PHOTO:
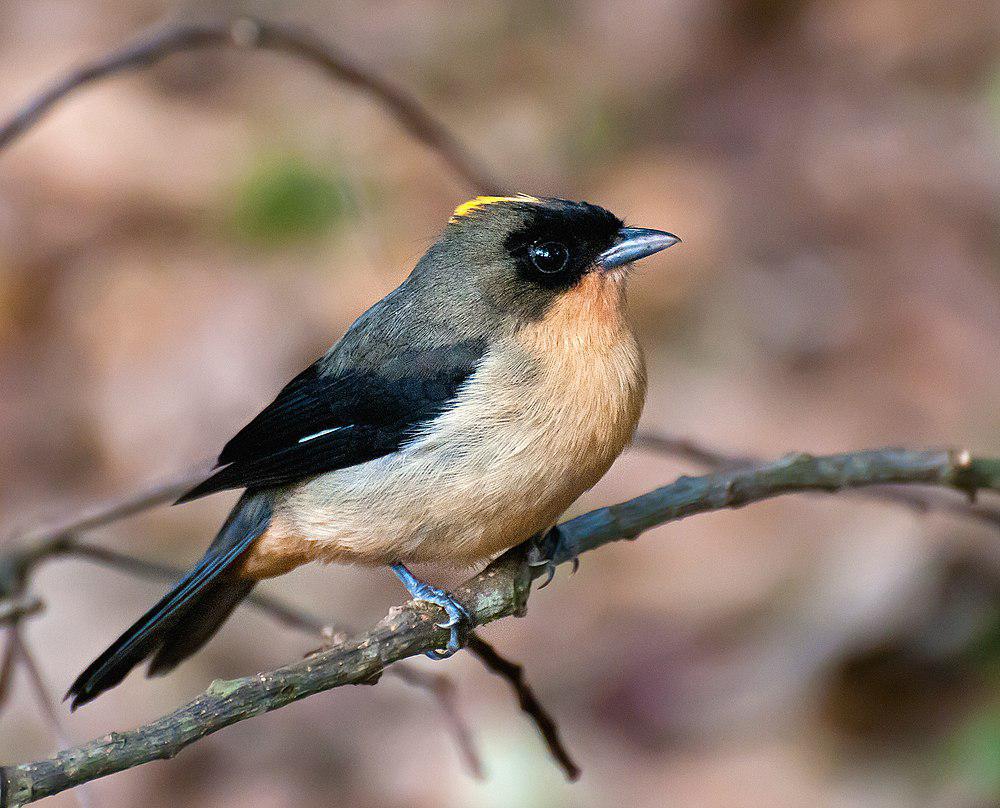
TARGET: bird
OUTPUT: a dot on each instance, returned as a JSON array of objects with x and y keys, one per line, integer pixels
[{"x": 459, "y": 416}]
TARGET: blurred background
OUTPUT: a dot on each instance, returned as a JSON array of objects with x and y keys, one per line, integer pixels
[{"x": 175, "y": 244}]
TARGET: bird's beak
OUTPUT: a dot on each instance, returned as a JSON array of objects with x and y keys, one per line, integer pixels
[{"x": 634, "y": 243}]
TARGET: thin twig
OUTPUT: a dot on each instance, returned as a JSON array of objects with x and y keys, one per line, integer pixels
[
  {"x": 115, "y": 508},
  {"x": 921, "y": 501},
  {"x": 248, "y": 33},
  {"x": 795, "y": 473},
  {"x": 444, "y": 690},
  {"x": 7, "y": 664},
  {"x": 276, "y": 609},
  {"x": 687, "y": 448},
  {"x": 501, "y": 590},
  {"x": 13, "y": 611},
  {"x": 20, "y": 650},
  {"x": 513, "y": 673},
  {"x": 940, "y": 501}
]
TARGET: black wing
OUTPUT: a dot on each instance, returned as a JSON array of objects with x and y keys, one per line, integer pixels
[{"x": 323, "y": 421}]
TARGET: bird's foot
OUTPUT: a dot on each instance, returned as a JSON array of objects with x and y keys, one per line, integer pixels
[
  {"x": 543, "y": 550},
  {"x": 459, "y": 619}
]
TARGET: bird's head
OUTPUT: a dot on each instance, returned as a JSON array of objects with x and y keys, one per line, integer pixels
[{"x": 521, "y": 254}]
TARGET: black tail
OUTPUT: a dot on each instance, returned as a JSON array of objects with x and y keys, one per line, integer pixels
[{"x": 184, "y": 619}]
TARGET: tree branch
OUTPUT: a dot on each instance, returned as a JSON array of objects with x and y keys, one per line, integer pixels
[
  {"x": 7, "y": 661},
  {"x": 921, "y": 501},
  {"x": 499, "y": 591},
  {"x": 248, "y": 33},
  {"x": 513, "y": 673},
  {"x": 794, "y": 473},
  {"x": 20, "y": 650},
  {"x": 14, "y": 610},
  {"x": 687, "y": 448},
  {"x": 274, "y": 608},
  {"x": 48, "y": 537},
  {"x": 440, "y": 687}
]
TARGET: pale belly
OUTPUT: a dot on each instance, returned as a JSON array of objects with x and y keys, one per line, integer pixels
[{"x": 455, "y": 504}]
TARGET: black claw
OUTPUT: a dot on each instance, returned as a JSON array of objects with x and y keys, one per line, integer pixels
[
  {"x": 550, "y": 573},
  {"x": 539, "y": 557}
]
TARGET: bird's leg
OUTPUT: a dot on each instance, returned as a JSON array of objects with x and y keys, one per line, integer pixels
[
  {"x": 543, "y": 549},
  {"x": 458, "y": 617}
]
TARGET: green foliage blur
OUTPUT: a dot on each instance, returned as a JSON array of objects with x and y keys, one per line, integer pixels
[{"x": 286, "y": 199}]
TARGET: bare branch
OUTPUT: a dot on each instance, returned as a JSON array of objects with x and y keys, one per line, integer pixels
[
  {"x": 688, "y": 449},
  {"x": 443, "y": 689},
  {"x": 921, "y": 501},
  {"x": 59, "y": 541},
  {"x": 513, "y": 673},
  {"x": 276, "y": 609},
  {"x": 7, "y": 666},
  {"x": 249, "y": 33},
  {"x": 48, "y": 537},
  {"x": 940, "y": 501},
  {"x": 791, "y": 474},
  {"x": 12, "y": 611},
  {"x": 499, "y": 591},
  {"x": 438, "y": 685},
  {"x": 41, "y": 691},
  {"x": 405, "y": 632},
  {"x": 20, "y": 650}
]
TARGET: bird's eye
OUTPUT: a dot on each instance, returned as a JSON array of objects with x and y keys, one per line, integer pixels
[{"x": 549, "y": 256}]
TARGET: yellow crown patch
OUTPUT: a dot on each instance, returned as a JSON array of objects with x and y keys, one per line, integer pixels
[{"x": 482, "y": 201}]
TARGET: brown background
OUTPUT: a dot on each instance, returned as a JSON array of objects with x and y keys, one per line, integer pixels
[{"x": 175, "y": 245}]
